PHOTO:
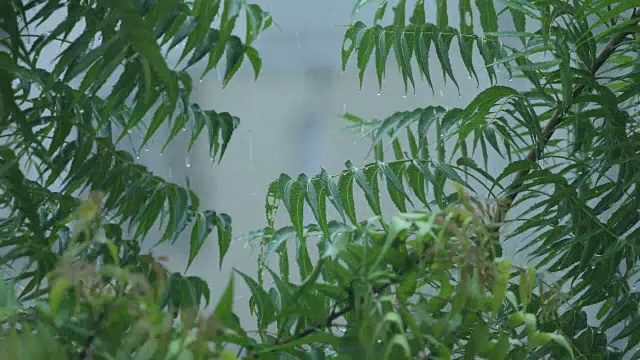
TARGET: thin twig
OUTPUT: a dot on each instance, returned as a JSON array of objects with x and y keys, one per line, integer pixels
[{"x": 558, "y": 115}]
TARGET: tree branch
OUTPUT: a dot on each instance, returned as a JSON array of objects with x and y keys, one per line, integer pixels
[{"x": 558, "y": 115}]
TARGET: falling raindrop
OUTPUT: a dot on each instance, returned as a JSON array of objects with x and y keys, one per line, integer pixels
[
  {"x": 161, "y": 154},
  {"x": 404, "y": 96},
  {"x": 218, "y": 74},
  {"x": 187, "y": 162},
  {"x": 170, "y": 173},
  {"x": 251, "y": 150},
  {"x": 469, "y": 77},
  {"x": 184, "y": 128},
  {"x": 297, "y": 40},
  {"x": 137, "y": 157},
  {"x": 200, "y": 81},
  {"x": 379, "y": 94},
  {"x": 441, "y": 93},
  {"x": 344, "y": 108},
  {"x": 211, "y": 159},
  {"x": 510, "y": 79}
]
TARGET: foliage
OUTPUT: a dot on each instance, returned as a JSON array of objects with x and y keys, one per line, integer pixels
[
  {"x": 430, "y": 282},
  {"x": 59, "y": 136}
]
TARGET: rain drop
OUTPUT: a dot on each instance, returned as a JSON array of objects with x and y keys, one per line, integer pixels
[
  {"x": 297, "y": 40},
  {"x": 344, "y": 108},
  {"x": 188, "y": 165},
  {"x": 404, "y": 96},
  {"x": 184, "y": 128},
  {"x": 251, "y": 150},
  {"x": 441, "y": 93},
  {"x": 211, "y": 159},
  {"x": 161, "y": 154},
  {"x": 469, "y": 77},
  {"x": 459, "y": 96},
  {"x": 379, "y": 94},
  {"x": 218, "y": 74},
  {"x": 146, "y": 149},
  {"x": 510, "y": 79},
  {"x": 200, "y": 81},
  {"x": 137, "y": 157},
  {"x": 129, "y": 131}
]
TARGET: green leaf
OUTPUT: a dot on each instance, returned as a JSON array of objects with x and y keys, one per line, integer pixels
[
  {"x": 516, "y": 166},
  {"x": 403, "y": 57},
  {"x": 422, "y": 47},
  {"x": 393, "y": 174},
  {"x": 345, "y": 188},
  {"x": 235, "y": 56},
  {"x": 314, "y": 194},
  {"x": 351, "y": 40},
  {"x": 450, "y": 173},
  {"x": 442, "y": 16},
  {"x": 266, "y": 308},
  {"x": 501, "y": 348},
  {"x": 367, "y": 180},
  {"x": 562, "y": 341},
  {"x": 383, "y": 42},
  {"x": 143, "y": 41},
  {"x": 223, "y": 223},
  {"x": 488, "y": 16},
  {"x": 332, "y": 191},
  {"x": 365, "y": 49},
  {"x": 255, "y": 60},
  {"x": 293, "y": 199}
]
